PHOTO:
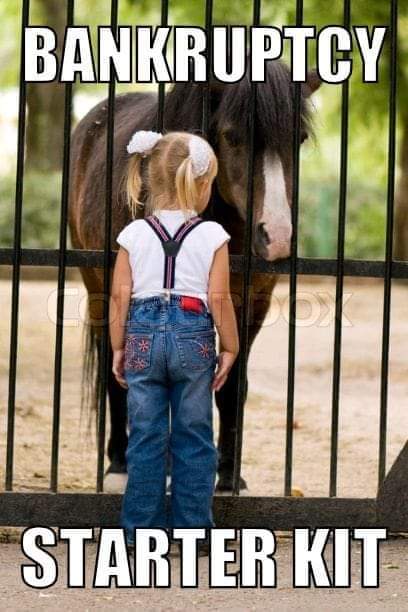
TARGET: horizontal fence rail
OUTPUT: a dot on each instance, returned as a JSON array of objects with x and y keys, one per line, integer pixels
[
  {"x": 90, "y": 510},
  {"x": 306, "y": 266}
]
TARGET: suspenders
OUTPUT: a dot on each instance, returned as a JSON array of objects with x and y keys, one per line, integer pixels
[{"x": 171, "y": 245}]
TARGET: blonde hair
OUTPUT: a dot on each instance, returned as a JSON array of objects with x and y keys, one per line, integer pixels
[{"x": 170, "y": 176}]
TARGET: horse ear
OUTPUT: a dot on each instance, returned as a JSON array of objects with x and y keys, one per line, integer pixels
[{"x": 313, "y": 83}]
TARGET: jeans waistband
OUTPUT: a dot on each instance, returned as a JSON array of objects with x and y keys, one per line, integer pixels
[{"x": 173, "y": 299}]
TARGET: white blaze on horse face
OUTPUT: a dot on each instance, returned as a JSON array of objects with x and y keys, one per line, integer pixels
[{"x": 276, "y": 214}]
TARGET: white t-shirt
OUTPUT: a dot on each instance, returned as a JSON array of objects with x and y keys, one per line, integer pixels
[{"x": 193, "y": 261}]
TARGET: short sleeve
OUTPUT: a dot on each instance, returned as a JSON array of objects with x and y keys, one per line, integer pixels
[
  {"x": 220, "y": 236},
  {"x": 126, "y": 238}
]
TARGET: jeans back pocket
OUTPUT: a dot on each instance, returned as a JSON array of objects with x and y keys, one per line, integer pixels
[
  {"x": 197, "y": 350},
  {"x": 138, "y": 351}
]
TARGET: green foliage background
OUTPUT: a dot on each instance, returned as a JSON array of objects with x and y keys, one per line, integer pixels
[{"x": 368, "y": 138}]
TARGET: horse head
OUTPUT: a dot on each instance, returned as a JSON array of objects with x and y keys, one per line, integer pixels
[{"x": 273, "y": 156}]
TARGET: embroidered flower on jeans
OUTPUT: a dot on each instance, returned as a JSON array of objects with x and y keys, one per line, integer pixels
[
  {"x": 138, "y": 363},
  {"x": 143, "y": 345},
  {"x": 204, "y": 350}
]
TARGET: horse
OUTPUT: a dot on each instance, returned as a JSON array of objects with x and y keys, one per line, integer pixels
[{"x": 228, "y": 130}]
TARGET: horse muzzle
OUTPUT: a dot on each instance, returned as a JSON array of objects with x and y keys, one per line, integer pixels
[{"x": 273, "y": 245}]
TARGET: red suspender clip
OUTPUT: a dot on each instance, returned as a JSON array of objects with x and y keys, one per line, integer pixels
[{"x": 191, "y": 303}]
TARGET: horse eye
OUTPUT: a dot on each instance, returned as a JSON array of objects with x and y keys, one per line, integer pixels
[{"x": 232, "y": 137}]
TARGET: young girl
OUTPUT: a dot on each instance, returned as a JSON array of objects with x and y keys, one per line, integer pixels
[{"x": 170, "y": 285}]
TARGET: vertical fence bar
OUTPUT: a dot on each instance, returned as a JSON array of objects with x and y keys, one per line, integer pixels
[
  {"x": 104, "y": 364},
  {"x": 207, "y": 86},
  {"x": 162, "y": 86},
  {"x": 25, "y": 13},
  {"x": 243, "y": 353},
  {"x": 293, "y": 278},
  {"x": 340, "y": 271},
  {"x": 389, "y": 242},
  {"x": 61, "y": 272}
]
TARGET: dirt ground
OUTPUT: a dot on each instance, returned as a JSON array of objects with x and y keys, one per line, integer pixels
[
  {"x": 392, "y": 594},
  {"x": 264, "y": 437}
]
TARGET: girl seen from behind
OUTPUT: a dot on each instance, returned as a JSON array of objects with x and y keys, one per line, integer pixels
[{"x": 170, "y": 288}]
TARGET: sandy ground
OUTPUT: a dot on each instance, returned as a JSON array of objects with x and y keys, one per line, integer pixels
[
  {"x": 392, "y": 594},
  {"x": 264, "y": 438}
]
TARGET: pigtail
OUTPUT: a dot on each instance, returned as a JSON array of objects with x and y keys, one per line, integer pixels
[
  {"x": 186, "y": 185},
  {"x": 140, "y": 145},
  {"x": 133, "y": 184}
]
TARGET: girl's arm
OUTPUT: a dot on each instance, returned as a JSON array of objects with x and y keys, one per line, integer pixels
[
  {"x": 119, "y": 306},
  {"x": 222, "y": 310}
]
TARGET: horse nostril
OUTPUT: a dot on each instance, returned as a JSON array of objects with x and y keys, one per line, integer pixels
[{"x": 262, "y": 234}]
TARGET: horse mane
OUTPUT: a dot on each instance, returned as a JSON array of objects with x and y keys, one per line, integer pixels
[
  {"x": 184, "y": 107},
  {"x": 231, "y": 104},
  {"x": 275, "y": 104}
]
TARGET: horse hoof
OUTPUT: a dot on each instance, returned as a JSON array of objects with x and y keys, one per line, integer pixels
[
  {"x": 224, "y": 486},
  {"x": 115, "y": 482}
]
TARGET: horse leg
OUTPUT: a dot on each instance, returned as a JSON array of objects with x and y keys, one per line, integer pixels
[
  {"x": 118, "y": 418},
  {"x": 115, "y": 476},
  {"x": 227, "y": 398}
]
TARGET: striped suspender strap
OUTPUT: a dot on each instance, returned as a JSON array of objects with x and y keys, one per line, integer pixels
[{"x": 171, "y": 244}]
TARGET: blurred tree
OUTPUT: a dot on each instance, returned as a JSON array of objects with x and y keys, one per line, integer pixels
[
  {"x": 45, "y": 101},
  {"x": 401, "y": 196}
]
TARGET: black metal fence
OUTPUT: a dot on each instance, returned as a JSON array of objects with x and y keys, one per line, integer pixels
[{"x": 73, "y": 509}]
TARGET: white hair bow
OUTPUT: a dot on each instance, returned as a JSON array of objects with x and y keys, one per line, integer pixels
[
  {"x": 143, "y": 142},
  {"x": 200, "y": 154}
]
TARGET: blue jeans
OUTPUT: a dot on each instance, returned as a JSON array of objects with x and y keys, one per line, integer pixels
[{"x": 170, "y": 358}]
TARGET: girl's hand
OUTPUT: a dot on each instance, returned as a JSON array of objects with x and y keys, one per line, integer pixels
[
  {"x": 225, "y": 363},
  {"x": 118, "y": 367}
]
